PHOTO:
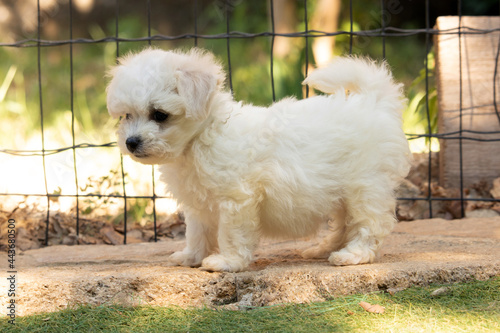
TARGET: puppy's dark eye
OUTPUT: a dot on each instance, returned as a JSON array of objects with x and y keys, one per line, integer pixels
[
  {"x": 128, "y": 116},
  {"x": 159, "y": 116}
]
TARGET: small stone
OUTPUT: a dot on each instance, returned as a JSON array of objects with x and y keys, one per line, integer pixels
[
  {"x": 85, "y": 239},
  {"x": 24, "y": 241},
  {"x": 230, "y": 307},
  {"x": 134, "y": 233},
  {"x": 246, "y": 301},
  {"x": 481, "y": 213},
  {"x": 148, "y": 235},
  {"x": 70, "y": 240},
  {"x": 112, "y": 236},
  {"x": 393, "y": 290},
  {"x": 133, "y": 240},
  {"x": 25, "y": 244}
]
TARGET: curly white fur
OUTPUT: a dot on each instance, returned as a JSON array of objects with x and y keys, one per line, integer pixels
[{"x": 241, "y": 171}]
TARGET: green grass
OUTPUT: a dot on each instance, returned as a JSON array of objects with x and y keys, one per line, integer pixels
[{"x": 465, "y": 307}]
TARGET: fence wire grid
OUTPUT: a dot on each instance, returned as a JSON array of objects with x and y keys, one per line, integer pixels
[{"x": 227, "y": 6}]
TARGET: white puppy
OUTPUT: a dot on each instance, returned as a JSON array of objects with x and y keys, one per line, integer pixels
[{"x": 240, "y": 171}]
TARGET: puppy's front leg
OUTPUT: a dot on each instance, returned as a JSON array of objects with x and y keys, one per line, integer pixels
[
  {"x": 201, "y": 240},
  {"x": 238, "y": 237}
]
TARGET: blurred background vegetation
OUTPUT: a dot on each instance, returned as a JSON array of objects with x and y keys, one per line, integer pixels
[{"x": 250, "y": 57}]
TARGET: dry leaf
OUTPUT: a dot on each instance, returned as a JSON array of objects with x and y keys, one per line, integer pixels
[
  {"x": 392, "y": 291},
  {"x": 375, "y": 308},
  {"x": 350, "y": 313},
  {"x": 495, "y": 191},
  {"x": 440, "y": 291}
]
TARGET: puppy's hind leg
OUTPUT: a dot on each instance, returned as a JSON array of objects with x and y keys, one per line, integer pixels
[
  {"x": 333, "y": 241},
  {"x": 201, "y": 241},
  {"x": 370, "y": 217}
]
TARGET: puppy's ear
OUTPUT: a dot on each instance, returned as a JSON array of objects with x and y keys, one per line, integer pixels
[{"x": 196, "y": 88}]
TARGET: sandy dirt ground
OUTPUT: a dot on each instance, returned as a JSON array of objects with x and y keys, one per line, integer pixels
[{"x": 417, "y": 253}]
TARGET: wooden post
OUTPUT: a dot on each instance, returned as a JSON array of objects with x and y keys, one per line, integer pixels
[{"x": 469, "y": 104}]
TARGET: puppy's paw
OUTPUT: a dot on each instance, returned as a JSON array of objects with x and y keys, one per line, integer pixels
[
  {"x": 316, "y": 252},
  {"x": 345, "y": 257},
  {"x": 183, "y": 258},
  {"x": 220, "y": 263}
]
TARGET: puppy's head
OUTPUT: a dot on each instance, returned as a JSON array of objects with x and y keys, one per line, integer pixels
[{"x": 163, "y": 100}]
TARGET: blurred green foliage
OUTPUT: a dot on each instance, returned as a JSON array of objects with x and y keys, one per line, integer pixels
[{"x": 250, "y": 64}]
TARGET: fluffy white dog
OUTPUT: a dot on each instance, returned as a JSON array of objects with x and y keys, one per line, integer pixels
[{"x": 240, "y": 171}]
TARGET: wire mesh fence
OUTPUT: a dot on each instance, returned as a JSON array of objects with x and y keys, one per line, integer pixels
[{"x": 353, "y": 33}]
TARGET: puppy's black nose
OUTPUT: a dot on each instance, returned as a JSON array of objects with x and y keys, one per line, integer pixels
[{"x": 133, "y": 143}]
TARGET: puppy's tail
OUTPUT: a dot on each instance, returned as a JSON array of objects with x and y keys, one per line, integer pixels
[{"x": 358, "y": 75}]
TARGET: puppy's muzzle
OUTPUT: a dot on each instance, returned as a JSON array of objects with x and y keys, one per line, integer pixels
[{"x": 133, "y": 143}]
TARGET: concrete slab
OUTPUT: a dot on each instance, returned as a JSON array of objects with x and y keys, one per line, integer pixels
[{"x": 416, "y": 253}]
